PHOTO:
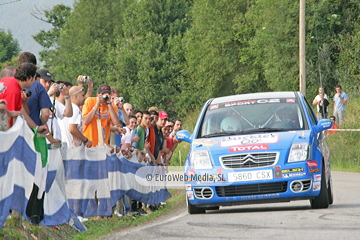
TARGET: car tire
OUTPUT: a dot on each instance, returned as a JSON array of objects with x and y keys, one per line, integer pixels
[
  {"x": 330, "y": 191},
  {"x": 321, "y": 201},
  {"x": 192, "y": 209}
]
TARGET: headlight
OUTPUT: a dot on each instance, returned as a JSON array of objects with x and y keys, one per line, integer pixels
[
  {"x": 201, "y": 160},
  {"x": 299, "y": 152}
]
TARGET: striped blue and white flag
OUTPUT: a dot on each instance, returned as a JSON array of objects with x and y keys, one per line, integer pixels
[
  {"x": 20, "y": 167},
  {"x": 95, "y": 180}
]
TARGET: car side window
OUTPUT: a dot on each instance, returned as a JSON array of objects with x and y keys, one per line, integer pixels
[{"x": 310, "y": 112}]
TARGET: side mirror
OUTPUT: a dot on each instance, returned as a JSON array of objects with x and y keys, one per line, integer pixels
[
  {"x": 184, "y": 135},
  {"x": 322, "y": 125}
]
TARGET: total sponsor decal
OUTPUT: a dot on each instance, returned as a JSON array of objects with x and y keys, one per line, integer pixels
[
  {"x": 312, "y": 164},
  {"x": 249, "y": 148},
  {"x": 317, "y": 177},
  {"x": 314, "y": 170},
  {"x": 254, "y": 139},
  {"x": 297, "y": 174},
  {"x": 188, "y": 187},
  {"x": 316, "y": 186},
  {"x": 205, "y": 142},
  {"x": 292, "y": 170}
]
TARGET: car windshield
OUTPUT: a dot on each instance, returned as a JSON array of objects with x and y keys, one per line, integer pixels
[{"x": 252, "y": 116}]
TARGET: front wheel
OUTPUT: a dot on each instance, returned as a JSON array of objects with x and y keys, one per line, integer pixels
[
  {"x": 330, "y": 191},
  {"x": 192, "y": 209},
  {"x": 321, "y": 201}
]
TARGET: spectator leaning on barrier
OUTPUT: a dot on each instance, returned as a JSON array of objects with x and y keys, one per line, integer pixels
[
  {"x": 138, "y": 115},
  {"x": 334, "y": 125},
  {"x": 11, "y": 92},
  {"x": 73, "y": 126},
  {"x": 99, "y": 108},
  {"x": 38, "y": 104},
  {"x": 123, "y": 117},
  {"x": 177, "y": 125},
  {"x": 340, "y": 101},
  {"x": 159, "y": 139},
  {"x": 150, "y": 134},
  {"x": 58, "y": 110},
  {"x": 141, "y": 129}
]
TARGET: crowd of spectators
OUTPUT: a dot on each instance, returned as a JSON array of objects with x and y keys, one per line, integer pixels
[{"x": 69, "y": 114}]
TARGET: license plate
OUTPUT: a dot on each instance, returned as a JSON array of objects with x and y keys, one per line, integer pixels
[{"x": 250, "y": 176}]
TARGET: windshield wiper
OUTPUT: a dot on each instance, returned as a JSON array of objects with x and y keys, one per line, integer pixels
[
  {"x": 266, "y": 130},
  {"x": 218, "y": 134}
]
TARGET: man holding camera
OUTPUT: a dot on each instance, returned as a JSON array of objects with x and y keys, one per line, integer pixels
[{"x": 98, "y": 115}]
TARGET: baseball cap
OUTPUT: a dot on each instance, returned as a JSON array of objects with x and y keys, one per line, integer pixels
[
  {"x": 45, "y": 74},
  {"x": 104, "y": 88},
  {"x": 163, "y": 115}
]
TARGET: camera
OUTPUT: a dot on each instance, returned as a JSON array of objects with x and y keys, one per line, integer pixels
[
  {"x": 106, "y": 97},
  {"x": 60, "y": 87},
  {"x": 27, "y": 92},
  {"x": 121, "y": 99},
  {"x": 84, "y": 79}
]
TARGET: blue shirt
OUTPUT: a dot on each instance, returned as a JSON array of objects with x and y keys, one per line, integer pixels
[
  {"x": 340, "y": 106},
  {"x": 39, "y": 100},
  {"x": 118, "y": 137}
]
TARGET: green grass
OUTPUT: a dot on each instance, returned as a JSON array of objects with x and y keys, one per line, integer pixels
[
  {"x": 95, "y": 228},
  {"x": 345, "y": 146}
]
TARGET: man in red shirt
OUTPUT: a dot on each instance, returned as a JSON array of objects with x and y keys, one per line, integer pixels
[
  {"x": 11, "y": 91},
  {"x": 334, "y": 126}
]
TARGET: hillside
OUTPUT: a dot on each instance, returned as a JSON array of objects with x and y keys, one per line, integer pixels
[{"x": 16, "y": 16}]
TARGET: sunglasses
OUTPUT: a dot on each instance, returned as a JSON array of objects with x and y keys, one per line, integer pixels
[{"x": 81, "y": 89}]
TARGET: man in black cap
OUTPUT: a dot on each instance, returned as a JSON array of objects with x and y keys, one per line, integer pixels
[
  {"x": 45, "y": 78},
  {"x": 98, "y": 114}
]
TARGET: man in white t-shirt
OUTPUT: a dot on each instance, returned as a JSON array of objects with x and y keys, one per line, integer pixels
[
  {"x": 58, "y": 111},
  {"x": 73, "y": 126}
]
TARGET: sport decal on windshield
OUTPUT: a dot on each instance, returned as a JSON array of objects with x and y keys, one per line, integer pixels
[
  {"x": 252, "y": 102},
  {"x": 249, "y": 139}
]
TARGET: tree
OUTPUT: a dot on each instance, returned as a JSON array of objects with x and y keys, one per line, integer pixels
[
  {"x": 146, "y": 69},
  {"x": 9, "y": 47},
  {"x": 57, "y": 17},
  {"x": 87, "y": 37},
  {"x": 213, "y": 50}
]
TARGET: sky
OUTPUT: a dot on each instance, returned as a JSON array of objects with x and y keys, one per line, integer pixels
[{"x": 15, "y": 15}]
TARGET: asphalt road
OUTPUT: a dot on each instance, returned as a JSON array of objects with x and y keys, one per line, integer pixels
[{"x": 294, "y": 220}]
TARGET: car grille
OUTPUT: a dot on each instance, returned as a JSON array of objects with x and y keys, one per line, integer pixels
[
  {"x": 248, "y": 160},
  {"x": 251, "y": 189}
]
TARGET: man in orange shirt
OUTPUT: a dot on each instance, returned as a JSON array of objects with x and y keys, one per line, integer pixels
[{"x": 99, "y": 108}]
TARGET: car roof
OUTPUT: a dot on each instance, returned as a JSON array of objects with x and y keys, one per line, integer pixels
[{"x": 249, "y": 96}]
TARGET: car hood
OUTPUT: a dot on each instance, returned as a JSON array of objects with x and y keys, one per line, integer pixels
[{"x": 250, "y": 142}]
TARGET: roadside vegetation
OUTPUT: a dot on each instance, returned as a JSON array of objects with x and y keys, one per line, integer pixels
[{"x": 96, "y": 227}]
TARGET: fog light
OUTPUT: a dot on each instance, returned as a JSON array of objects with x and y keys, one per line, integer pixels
[{"x": 297, "y": 186}]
